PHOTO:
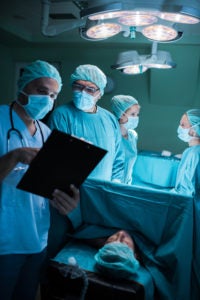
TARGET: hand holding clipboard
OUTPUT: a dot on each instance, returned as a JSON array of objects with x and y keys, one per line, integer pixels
[{"x": 63, "y": 160}]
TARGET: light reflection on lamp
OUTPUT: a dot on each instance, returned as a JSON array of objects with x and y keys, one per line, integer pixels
[
  {"x": 108, "y": 15},
  {"x": 137, "y": 19},
  {"x": 133, "y": 70},
  {"x": 179, "y": 18},
  {"x": 159, "y": 33},
  {"x": 103, "y": 30}
]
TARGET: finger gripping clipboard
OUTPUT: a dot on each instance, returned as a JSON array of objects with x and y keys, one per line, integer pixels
[{"x": 63, "y": 160}]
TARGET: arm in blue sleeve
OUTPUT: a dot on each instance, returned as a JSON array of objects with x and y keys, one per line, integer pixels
[
  {"x": 75, "y": 217},
  {"x": 118, "y": 165},
  {"x": 189, "y": 172}
]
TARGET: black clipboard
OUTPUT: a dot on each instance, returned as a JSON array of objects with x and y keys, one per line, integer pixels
[{"x": 63, "y": 159}]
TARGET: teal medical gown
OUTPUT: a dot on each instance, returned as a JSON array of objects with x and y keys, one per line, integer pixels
[
  {"x": 130, "y": 148},
  {"x": 101, "y": 129},
  {"x": 188, "y": 174}
]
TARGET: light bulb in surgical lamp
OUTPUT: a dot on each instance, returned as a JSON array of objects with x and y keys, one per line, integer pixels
[
  {"x": 134, "y": 69},
  {"x": 159, "y": 33},
  {"x": 104, "y": 30},
  {"x": 107, "y": 15},
  {"x": 179, "y": 18},
  {"x": 137, "y": 19}
]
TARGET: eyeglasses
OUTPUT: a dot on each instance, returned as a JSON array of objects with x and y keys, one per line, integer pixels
[{"x": 88, "y": 89}]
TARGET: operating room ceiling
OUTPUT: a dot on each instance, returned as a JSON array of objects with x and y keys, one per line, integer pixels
[{"x": 20, "y": 22}]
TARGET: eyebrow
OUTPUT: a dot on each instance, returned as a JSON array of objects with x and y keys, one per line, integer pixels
[
  {"x": 46, "y": 89},
  {"x": 91, "y": 84}
]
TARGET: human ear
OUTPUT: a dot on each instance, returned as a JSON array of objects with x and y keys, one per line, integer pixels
[{"x": 192, "y": 132}]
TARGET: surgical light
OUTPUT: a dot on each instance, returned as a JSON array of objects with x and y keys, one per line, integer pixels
[
  {"x": 155, "y": 20},
  {"x": 132, "y": 63}
]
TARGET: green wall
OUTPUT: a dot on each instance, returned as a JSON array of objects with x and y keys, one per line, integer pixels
[{"x": 164, "y": 95}]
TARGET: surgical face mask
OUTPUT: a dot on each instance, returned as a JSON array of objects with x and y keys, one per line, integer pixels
[
  {"x": 38, "y": 106},
  {"x": 183, "y": 134},
  {"x": 132, "y": 123},
  {"x": 83, "y": 100}
]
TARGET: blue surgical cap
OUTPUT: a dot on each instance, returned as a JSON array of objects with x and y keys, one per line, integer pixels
[
  {"x": 194, "y": 119},
  {"x": 38, "y": 69},
  {"x": 90, "y": 73},
  {"x": 116, "y": 260},
  {"x": 120, "y": 103}
]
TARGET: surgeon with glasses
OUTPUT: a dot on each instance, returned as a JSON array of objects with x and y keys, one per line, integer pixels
[
  {"x": 188, "y": 174},
  {"x": 84, "y": 118},
  {"x": 25, "y": 217},
  {"x": 126, "y": 109}
]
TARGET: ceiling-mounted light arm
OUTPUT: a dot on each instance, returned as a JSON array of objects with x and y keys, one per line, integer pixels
[
  {"x": 153, "y": 56},
  {"x": 154, "y": 50},
  {"x": 53, "y": 30}
]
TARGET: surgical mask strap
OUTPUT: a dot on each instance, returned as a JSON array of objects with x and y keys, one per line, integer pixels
[{"x": 195, "y": 125}]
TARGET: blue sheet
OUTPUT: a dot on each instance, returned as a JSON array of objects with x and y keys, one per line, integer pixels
[
  {"x": 153, "y": 169},
  {"x": 196, "y": 251},
  {"x": 160, "y": 222}
]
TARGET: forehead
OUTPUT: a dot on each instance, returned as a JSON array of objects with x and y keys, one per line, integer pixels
[
  {"x": 133, "y": 109},
  {"x": 87, "y": 83},
  {"x": 122, "y": 232},
  {"x": 44, "y": 82}
]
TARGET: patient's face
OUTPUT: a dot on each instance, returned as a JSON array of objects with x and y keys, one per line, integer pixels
[{"x": 122, "y": 237}]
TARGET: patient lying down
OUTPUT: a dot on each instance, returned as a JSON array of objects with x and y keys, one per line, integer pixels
[{"x": 117, "y": 256}]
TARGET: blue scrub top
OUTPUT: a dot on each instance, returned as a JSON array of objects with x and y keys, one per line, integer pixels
[
  {"x": 24, "y": 217},
  {"x": 101, "y": 129},
  {"x": 188, "y": 174}
]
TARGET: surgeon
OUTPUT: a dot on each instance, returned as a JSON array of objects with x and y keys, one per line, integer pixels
[
  {"x": 188, "y": 175},
  {"x": 24, "y": 217},
  {"x": 83, "y": 118},
  {"x": 126, "y": 109}
]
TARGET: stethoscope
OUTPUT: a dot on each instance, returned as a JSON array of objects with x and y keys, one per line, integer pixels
[{"x": 13, "y": 129}]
